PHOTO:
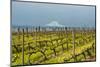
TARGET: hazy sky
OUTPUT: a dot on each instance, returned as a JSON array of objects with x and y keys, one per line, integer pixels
[{"x": 35, "y": 14}]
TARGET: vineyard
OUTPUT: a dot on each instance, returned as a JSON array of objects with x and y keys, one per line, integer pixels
[{"x": 49, "y": 45}]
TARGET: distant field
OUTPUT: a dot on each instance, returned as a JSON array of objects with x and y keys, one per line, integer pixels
[{"x": 37, "y": 45}]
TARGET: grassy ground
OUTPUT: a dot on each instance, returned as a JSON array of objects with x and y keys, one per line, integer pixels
[{"x": 46, "y": 43}]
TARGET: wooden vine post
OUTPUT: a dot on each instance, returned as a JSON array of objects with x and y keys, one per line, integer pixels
[
  {"x": 73, "y": 38},
  {"x": 39, "y": 32},
  {"x": 66, "y": 32},
  {"x": 29, "y": 53},
  {"x": 23, "y": 48},
  {"x": 18, "y": 33},
  {"x": 27, "y": 31}
]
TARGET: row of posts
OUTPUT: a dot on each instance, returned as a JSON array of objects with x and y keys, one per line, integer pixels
[{"x": 44, "y": 29}]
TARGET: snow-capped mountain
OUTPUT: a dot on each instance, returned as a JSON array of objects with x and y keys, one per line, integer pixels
[{"x": 54, "y": 24}]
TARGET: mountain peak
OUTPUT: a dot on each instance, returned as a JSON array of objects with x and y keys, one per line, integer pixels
[{"x": 54, "y": 24}]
